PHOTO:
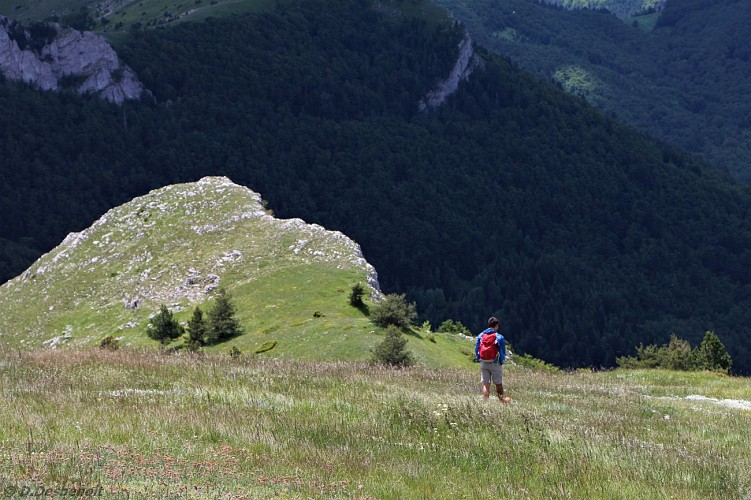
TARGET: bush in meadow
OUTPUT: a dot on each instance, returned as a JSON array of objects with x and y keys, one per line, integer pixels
[
  {"x": 394, "y": 309},
  {"x": 454, "y": 327},
  {"x": 355, "y": 296},
  {"x": 392, "y": 350}
]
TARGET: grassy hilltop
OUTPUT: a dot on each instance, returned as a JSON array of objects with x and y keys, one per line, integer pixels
[
  {"x": 290, "y": 281},
  {"x": 146, "y": 425}
]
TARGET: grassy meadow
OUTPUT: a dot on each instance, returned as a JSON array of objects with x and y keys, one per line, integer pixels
[{"x": 143, "y": 424}]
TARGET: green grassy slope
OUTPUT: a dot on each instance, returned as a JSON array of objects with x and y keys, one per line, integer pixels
[
  {"x": 250, "y": 428},
  {"x": 39, "y": 10},
  {"x": 290, "y": 280}
]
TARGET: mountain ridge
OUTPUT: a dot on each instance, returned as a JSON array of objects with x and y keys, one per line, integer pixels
[{"x": 174, "y": 246}]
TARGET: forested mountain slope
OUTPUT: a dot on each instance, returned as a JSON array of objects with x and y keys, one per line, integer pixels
[
  {"x": 682, "y": 74},
  {"x": 513, "y": 198}
]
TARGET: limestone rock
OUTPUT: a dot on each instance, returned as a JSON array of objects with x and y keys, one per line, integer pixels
[{"x": 70, "y": 53}]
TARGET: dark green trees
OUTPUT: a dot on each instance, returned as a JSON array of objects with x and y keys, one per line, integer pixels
[
  {"x": 392, "y": 350},
  {"x": 394, "y": 310},
  {"x": 163, "y": 327},
  {"x": 355, "y": 296},
  {"x": 678, "y": 355},
  {"x": 222, "y": 324},
  {"x": 712, "y": 355},
  {"x": 197, "y": 330},
  {"x": 218, "y": 325}
]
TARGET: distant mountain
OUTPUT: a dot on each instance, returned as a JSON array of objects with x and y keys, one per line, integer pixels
[
  {"x": 175, "y": 246},
  {"x": 510, "y": 198},
  {"x": 681, "y": 73}
]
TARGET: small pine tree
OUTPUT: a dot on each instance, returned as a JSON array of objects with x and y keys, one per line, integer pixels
[
  {"x": 712, "y": 355},
  {"x": 391, "y": 351},
  {"x": 355, "y": 296},
  {"x": 163, "y": 327},
  {"x": 222, "y": 323},
  {"x": 678, "y": 355},
  {"x": 197, "y": 330},
  {"x": 394, "y": 310}
]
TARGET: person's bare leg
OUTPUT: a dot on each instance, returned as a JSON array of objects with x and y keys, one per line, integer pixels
[
  {"x": 499, "y": 390},
  {"x": 486, "y": 390}
]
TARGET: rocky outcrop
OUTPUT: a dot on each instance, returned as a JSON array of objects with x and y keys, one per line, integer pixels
[
  {"x": 463, "y": 67},
  {"x": 85, "y": 56},
  {"x": 174, "y": 246}
]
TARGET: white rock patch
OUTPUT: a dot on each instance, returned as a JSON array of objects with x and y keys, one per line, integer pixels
[{"x": 738, "y": 404}]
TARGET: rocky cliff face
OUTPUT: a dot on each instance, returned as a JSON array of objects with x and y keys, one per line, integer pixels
[
  {"x": 85, "y": 56},
  {"x": 463, "y": 67}
]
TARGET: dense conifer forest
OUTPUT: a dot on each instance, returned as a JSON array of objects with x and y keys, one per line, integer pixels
[
  {"x": 514, "y": 198},
  {"x": 680, "y": 74}
]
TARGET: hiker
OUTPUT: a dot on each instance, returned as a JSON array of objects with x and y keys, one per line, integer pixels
[{"x": 490, "y": 351}]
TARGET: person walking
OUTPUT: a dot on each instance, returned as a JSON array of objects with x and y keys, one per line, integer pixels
[{"x": 490, "y": 351}]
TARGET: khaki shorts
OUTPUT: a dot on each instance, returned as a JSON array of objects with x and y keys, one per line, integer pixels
[{"x": 491, "y": 372}]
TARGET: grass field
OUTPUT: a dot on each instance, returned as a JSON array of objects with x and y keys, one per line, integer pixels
[{"x": 142, "y": 424}]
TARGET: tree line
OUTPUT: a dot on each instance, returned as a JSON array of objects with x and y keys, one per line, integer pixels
[{"x": 678, "y": 354}]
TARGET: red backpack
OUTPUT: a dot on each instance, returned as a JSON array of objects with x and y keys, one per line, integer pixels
[{"x": 488, "y": 347}]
